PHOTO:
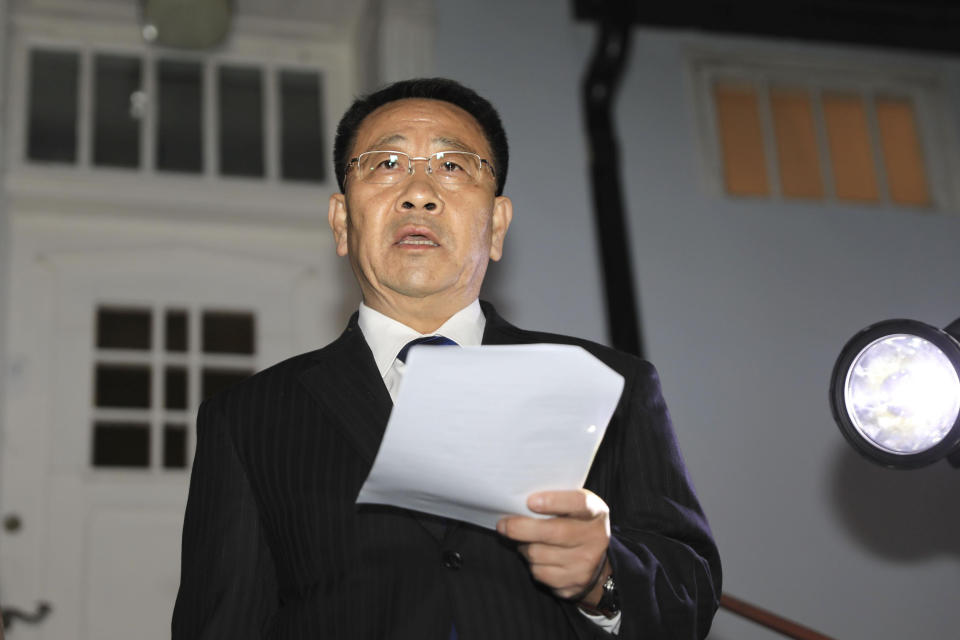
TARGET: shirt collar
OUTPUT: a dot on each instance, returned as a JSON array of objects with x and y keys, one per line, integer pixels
[{"x": 386, "y": 336}]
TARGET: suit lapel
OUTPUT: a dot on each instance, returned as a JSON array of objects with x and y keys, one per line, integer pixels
[
  {"x": 346, "y": 382},
  {"x": 497, "y": 330}
]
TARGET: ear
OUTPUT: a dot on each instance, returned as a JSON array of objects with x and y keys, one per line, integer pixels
[
  {"x": 500, "y": 222},
  {"x": 337, "y": 217}
]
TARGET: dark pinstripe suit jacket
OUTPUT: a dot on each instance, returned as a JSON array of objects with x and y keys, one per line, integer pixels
[{"x": 274, "y": 545}]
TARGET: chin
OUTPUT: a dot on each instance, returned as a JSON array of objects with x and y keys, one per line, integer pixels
[
  {"x": 420, "y": 287},
  {"x": 417, "y": 292}
]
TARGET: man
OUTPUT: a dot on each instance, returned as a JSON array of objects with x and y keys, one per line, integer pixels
[{"x": 274, "y": 544}]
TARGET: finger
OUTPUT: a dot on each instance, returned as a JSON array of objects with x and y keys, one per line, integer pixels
[
  {"x": 563, "y": 532},
  {"x": 552, "y": 576},
  {"x": 578, "y": 503},
  {"x": 520, "y": 528},
  {"x": 577, "y": 560},
  {"x": 560, "y": 580},
  {"x": 524, "y": 550}
]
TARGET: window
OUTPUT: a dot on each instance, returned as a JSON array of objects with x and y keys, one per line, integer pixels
[
  {"x": 116, "y": 117},
  {"x": 125, "y": 88},
  {"x": 153, "y": 366},
  {"x": 52, "y": 132},
  {"x": 179, "y": 135},
  {"x": 303, "y": 155},
  {"x": 819, "y": 137},
  {"x": 240, "y": 92}
]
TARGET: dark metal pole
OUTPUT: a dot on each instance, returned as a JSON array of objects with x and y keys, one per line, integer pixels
[{"x": 599, "y": 86}]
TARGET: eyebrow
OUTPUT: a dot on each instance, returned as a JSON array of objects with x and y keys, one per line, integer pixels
[
  {"x": 451, "y": 144},
  {"x": 387, "y": 140}
]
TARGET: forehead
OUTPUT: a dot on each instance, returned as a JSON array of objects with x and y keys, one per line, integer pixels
[{"x": 412, "y": 124}]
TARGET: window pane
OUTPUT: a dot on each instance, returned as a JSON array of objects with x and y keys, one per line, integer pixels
[
  {"x": 116, "y": 127},
  {"x": 123, "y": 386},
  {"x": 302, "y": 155},
  {"x": 216, "y": 380},
  {"x": 176, "y": 337},
  {"x": 850, "y": 150},
  {"x": 121, "y": 445},
  {"x": 52, "y": 132},
  {"x": 176, "y": 331},
  {"x": 175, "y": 446},
  {"x": 226, "y": 332},
  {"x": 798, "y": 155},
  {"x": 123, "y": 328},
  {"x": 241, "y": 121},
  {"x": 175, "y": 388},
  {"x": 902, "y": 153},
  {"x": 180, "y": 117},
  {"x": 741, "y": 140}
]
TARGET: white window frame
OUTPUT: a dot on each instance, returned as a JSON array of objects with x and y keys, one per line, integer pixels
[
  {"x": 156, "y": 359},
  {"x": 209, "y": 66},
  {"x": 269, "y": 48}
]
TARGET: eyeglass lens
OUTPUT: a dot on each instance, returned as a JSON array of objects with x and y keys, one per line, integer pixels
[{"x": 385, "y": 167}]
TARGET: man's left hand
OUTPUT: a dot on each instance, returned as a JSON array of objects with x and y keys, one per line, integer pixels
[{"x": 565, "y": 552}]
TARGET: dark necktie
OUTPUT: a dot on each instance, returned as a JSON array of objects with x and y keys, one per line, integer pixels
[{"x": 438, "y": 341}]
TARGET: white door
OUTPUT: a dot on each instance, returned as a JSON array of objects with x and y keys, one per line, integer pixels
[{"x": 126, "y": 343}]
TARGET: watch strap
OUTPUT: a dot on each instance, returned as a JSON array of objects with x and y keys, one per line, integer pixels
[{"x": 609, "y": 604}]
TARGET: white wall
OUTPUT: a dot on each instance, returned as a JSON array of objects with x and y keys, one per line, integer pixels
[
  {"x": 527, "y": 61},
  {"x": 745, "y": 307}
]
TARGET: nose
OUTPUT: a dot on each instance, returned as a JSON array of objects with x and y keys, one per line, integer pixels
[{"x": 419, "y": 192}]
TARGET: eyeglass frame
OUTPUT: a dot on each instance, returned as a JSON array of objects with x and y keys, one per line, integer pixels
[{"x": 411, "y": 159}]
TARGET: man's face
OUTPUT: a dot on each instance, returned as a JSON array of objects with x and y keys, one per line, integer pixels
[{"x": 420, "y": 239}]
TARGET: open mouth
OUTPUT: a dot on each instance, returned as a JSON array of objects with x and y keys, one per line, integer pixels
[
  {"x": 414, "y": 236},
  {"x": 418, "y": 240}
]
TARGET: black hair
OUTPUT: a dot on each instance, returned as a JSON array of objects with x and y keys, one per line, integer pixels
[{"x": 427, "y": 88}]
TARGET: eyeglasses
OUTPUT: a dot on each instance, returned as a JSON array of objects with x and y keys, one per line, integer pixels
[{"x": 390, "y": 167}]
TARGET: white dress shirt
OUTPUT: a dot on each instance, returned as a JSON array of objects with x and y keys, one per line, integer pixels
[{"x": 386, "y": 337}]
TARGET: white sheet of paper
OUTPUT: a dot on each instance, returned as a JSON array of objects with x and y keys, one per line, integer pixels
[{"x": 475, "y": 430}]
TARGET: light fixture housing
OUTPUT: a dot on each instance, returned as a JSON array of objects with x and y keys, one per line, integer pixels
[
  {"x": 186, "y": 24},
  {"x": 895, "y": 393}
]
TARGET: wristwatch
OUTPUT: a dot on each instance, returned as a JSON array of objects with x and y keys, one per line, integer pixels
[{"x": 609, "y": 604}]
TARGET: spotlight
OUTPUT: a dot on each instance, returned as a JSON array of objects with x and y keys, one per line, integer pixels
[{"x": 895, "y": 393}]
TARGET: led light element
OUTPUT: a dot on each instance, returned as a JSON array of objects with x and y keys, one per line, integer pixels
[
  {"x": 895, "y": 393},
  {"x": 902, "y": 393}
]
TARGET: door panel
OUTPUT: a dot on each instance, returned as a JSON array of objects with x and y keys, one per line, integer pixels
[{"x": 101, "y": 543}]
